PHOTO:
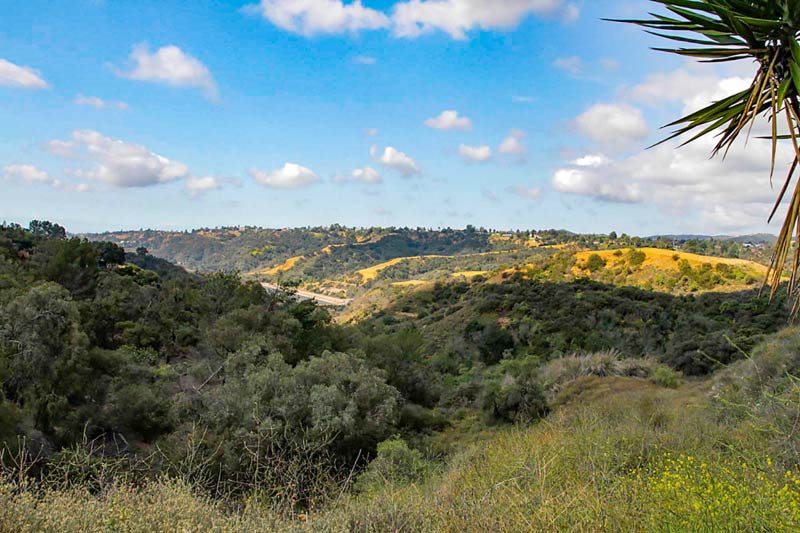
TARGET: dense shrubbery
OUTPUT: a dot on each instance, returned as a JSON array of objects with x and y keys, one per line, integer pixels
[
  {"x": 133, "y": 354},
  {"x": 694, "y": 334},
  {"x": 123, "y": 367}
]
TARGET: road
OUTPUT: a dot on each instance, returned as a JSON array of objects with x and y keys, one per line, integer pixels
[{"x": 322, "y": 299}]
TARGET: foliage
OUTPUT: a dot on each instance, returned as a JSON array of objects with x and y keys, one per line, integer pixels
[
  {"x": 764, "y": 32},
  {"x": 395, "y": 463}
]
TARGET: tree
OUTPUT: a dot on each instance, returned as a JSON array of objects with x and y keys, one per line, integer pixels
[
  {"x": 46, "y": 229},
  {"x": 731, "y": 30}
]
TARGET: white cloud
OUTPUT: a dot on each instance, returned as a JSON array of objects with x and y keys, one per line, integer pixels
[
  {"x": 731, "y": 194},
  {"x": 367, "y": 175},
  {"x": 371, "y": 132},
  {"x": 456, "y": 17},
  {"x": 12, "y": 75},
  {"x": 475, "y": 153},
  {"x": 449, "y": 120},
  {"x": 313, "y": 17},
  {"x": 32, "y": 174},
  {"x": 612, "y": 123},
  {"x": 290, "y": 176},
  {"x": 99, "y": 103},
  {"x": 27, "y": 173},
  {"x": 512, "y": 144},
  {"x": 570, "y": 64},
  {"x": 592, "y": 160},
  {"x": 364, "y": 60},
  {"x": 60, "y": 148},
  {"x": 533, "y": 193},
  {"x": 693, "y": 90},
  {"x": 198, "y": 186},
  {"x": 363, "y": 175},
  {"x": 117, "y": 163},
  {"x": 584, "y": 182},
  {"x": 394, "y": 158},
  {"x": 172, "y": 66}
]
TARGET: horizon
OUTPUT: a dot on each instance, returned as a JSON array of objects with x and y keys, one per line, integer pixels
[
  {"x": 537, "y": 114},
  {"x": 413, "y": 228}
]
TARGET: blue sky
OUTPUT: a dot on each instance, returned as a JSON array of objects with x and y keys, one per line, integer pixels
[{"x": 501, "y": 113}]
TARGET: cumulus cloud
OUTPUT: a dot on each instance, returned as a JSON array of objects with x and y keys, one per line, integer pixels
[
  {"x": 290, "y": 176},
  {"x": 570, "y": 64},
  {"x": 395, "y": 159},
  {"x": 584, "y": 182},
  {"x": 532, "y": 193},
  {"x": 313, "y": 17},
  {"x": 99, "y": 103},
  {"x": 691, "y": 89},
  {"x": 197, "y": 186},
  {"x": 592, "y": 160},
  {"x": 12, "y": 75},
  {"x": 475, "y": 153},
  {"x": 733, "y": 194},
  {"x": 116, "y": 162},
  {"x": 32, "y": 174},
  {"x": 457, "y": 17},
  {"x": 27, "y": 173},
  {"x": 172, "y": 66},
  {"x": 513, "y": 145},
  {"x": 363, "y": 175},
  {"x": 612, "y": 123},
  {"x": 449, "y": 120}
]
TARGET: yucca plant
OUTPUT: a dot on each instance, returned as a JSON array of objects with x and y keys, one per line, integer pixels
[{"x": 765, "y": 32}]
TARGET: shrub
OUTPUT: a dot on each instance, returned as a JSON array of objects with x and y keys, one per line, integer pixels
[
  {"x": 595, "y": 263},
  {"x": 666, "y": 377},
  {"x": 395, "y": 463}
]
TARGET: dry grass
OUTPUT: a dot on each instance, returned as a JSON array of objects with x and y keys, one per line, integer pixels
[
  {"x": 410, "y": 283},
  {"x": 283, "y": 267},
  {"x": 668, "y": 259},
  {"x": 469, "y": 273}
]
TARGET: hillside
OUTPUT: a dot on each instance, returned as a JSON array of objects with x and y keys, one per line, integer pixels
[
  {"x": 668, "y": 270},
  {"x": 128, "y": 378},
  {"x": 345, "y": 262}
]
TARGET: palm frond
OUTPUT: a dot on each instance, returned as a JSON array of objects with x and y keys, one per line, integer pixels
[{"x": 766, "y": 32}]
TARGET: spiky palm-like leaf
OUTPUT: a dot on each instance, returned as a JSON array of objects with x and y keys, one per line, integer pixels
[{"x": 764, "y": 31}]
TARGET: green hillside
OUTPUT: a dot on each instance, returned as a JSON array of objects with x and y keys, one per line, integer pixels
[{"x": 137, "y": 395}]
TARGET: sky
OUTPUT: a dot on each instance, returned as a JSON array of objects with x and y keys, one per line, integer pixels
[{"x": 504, "y": 114}]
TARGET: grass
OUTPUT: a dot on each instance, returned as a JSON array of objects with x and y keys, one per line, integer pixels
[
  {"x": 371, "y": 273},
  {"x": 668, "y": 259},
  {"x": 622, "y": 455},
  {"x": 469, "y": 273},
  {"x": 283, "y": 267}
]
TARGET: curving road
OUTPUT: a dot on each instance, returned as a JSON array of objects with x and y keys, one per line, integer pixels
[{"x": 321, "y": 299}]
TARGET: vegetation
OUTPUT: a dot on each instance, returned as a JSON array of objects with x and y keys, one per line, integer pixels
[
  {"x": 764, "y": 32},
  {"x": 138, "y": 396}
]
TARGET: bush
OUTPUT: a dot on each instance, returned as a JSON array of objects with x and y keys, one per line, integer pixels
[
  {"x": 395, "y": 463},
  {"x": 666, "y": 377},
  {"x": 595, "y": 263}
]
